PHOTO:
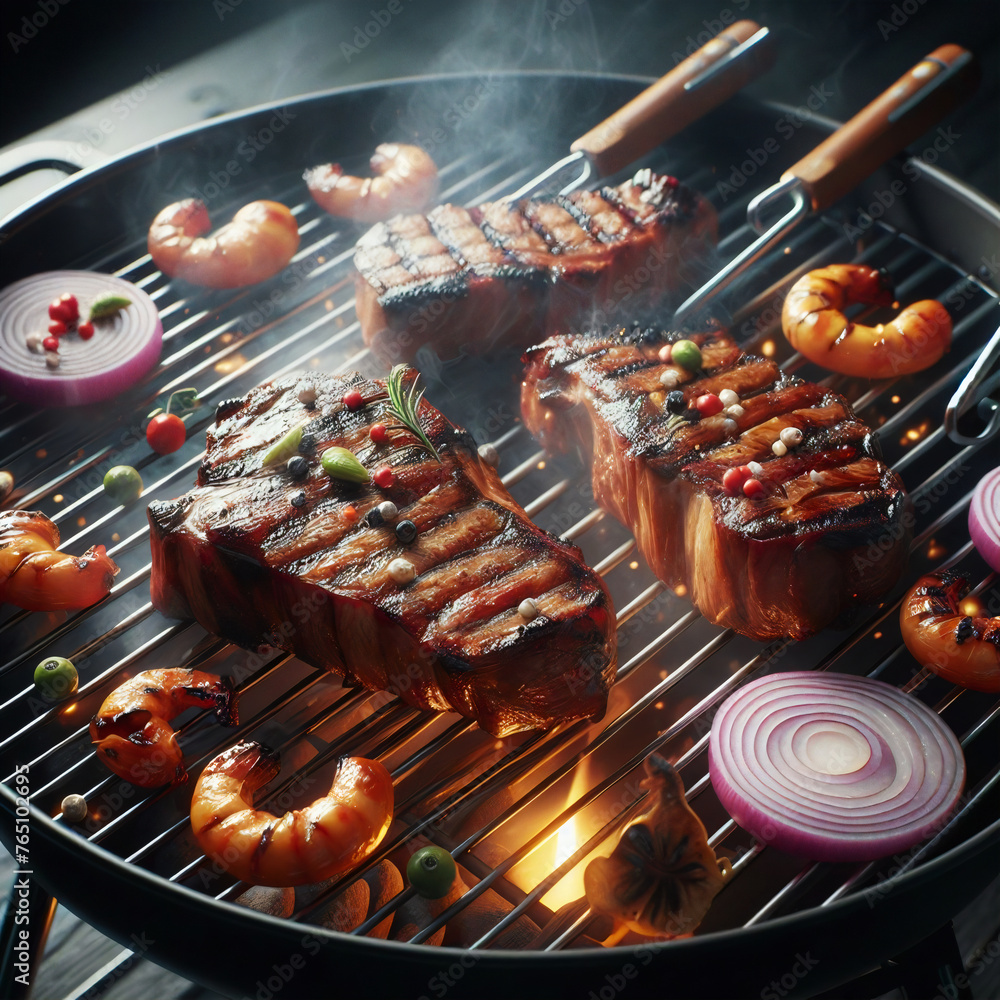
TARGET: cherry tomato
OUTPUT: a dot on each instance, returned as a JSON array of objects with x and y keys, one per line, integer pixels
[
  {"x": 86, "y": 330},
  {"x": 56, "y": 678},
  {"x": 431, "y": 871},
  {"x": 166, "y": 433}
]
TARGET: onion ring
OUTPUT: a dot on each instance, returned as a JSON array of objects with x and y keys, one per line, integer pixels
[{"x": 834, "y": 767}]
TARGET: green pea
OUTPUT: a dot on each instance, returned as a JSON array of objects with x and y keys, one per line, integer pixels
[
  {"x": 431, "y": 871},
  {"x": 56, "y": 678},
  {"x": 686, "y": 354},
  {"x": 123, "y": 484}
]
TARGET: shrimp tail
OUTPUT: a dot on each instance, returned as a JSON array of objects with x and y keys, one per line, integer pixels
[
  {"x": 131, "y": 732},
  {"x": 963, "y": 649},
  {"x": 35, "y": 576},
  {"x": 813, "y": 320}
]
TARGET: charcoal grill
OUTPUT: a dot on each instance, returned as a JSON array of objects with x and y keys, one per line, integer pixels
[{"x": 522, "y": 815}]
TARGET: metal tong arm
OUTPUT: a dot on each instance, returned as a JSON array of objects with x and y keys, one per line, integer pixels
[
  {"x": 915, "y": 102},
  {"x": 966, "y": 396},
  {"x": 690, "y": 90}
]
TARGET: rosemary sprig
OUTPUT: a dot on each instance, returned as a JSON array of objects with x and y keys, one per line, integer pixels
[{"x": 404, "y": 406}]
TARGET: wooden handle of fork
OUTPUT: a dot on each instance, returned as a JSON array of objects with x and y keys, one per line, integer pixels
[
  {"x": 912, "y": 105},
  {"x": 669, "y": 105}
]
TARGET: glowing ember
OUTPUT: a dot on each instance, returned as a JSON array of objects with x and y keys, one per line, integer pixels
[
  {"x": 225, "y": 366},
  {"x": 58, "y": 498},
  {"x": 768, "y": 348}
]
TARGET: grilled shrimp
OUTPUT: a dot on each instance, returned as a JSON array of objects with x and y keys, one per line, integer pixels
[
  {"x": 37, "y": 577},
  {"x": 960, "y": 648},
  {"x": 132, "y": 734},
  {"x": 816, "y": 326},
  {"x": 334, "y": 833},
  {"x": 256, "y": 245},
  {"x": 406, "y": 180}
]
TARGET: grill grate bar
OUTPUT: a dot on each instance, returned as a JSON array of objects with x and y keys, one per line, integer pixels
[{"x": 194, "y": 328}]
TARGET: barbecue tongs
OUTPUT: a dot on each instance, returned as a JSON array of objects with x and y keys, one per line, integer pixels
[
  {"x": 690, "y": 90},
  {"x": 915, "y": 102}
]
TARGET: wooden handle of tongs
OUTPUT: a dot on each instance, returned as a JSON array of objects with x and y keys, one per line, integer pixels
[
  {"x": 914, "y": 103},
  {"x": 678, "y": 99}
]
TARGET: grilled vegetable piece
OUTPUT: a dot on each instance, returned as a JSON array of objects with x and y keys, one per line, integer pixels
[
  {"x": 321, "y": 566},
  {"x": 662, "y": 876},
  {"x": 508, "y": 274},
  {"x": 774, "y": 512}
]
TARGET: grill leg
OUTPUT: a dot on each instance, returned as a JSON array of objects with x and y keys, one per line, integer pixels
[
  {"x": 29, "y": 909},
  {"x": 933, "y": 968}
]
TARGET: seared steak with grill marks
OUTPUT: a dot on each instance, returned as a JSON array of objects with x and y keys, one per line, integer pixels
[
  {"x": 509, "y": 274},
  {"x": 828, "y": 530},
  {"x": 297, "y": 559}
]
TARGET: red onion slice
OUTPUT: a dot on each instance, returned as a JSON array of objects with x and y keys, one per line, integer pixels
[
  {"x": 984, "y": 518},
  {"x": 834, "y": 767},
  {"x": 123, "y": 348}
]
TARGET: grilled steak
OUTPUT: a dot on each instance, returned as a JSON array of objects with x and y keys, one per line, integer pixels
[
  {"x": 826, "y": 530},
  {"x": 509, "y": 274},
  {"x": 290, "y": 556}
]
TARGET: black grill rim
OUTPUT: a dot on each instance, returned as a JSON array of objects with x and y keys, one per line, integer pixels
[{"x": 686, "y": 967}]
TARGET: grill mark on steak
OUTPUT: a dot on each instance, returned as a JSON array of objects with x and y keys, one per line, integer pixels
[
  {"x": 467, "y": 280},
  {"x": 316, "y": 583},
  {"x": 786, "y": 564}
]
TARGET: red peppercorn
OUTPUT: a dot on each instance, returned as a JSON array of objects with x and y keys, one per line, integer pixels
[
  {"x": 753, "y": 488},
  {"x": 70, "y": 306},
  {"x": 733, "y": 480},
  {"x": 51, "y": 343},
  {"x": 58, "y": 310},
  {"x": 378, "y": 433},
  {"x": 350, "y": 513},
  {"x": 353, "y": 399},
  {"x": 383, "y": 477},
  {"x": 86, "y": 330},
  {"x": 58, "y": 327},
  {"x": 708, "y": 405}
]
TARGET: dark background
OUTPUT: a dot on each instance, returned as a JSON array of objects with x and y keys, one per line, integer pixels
[{"x": 83, "y": 52}]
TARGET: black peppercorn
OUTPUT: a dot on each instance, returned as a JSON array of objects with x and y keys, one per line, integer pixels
[
  {"x": 406, "y": 531},
  {"x": 306, "y": 443},
  {"x": 964, "y": 630},
  {"x": 297, "y": 466},
  {"x": 675, "y": 401},
  {"x": 299, "y": 499},
  {"x": 374, "y": 518}
]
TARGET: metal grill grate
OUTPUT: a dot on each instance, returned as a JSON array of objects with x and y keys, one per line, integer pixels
[{"x": 551, "y": 799}]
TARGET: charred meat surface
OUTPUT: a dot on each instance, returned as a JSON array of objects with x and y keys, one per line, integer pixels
[
  {"x": 824, "y": 531},
  {"x": 293, "y": 557},
  {"x": 508, "y": 274}
]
